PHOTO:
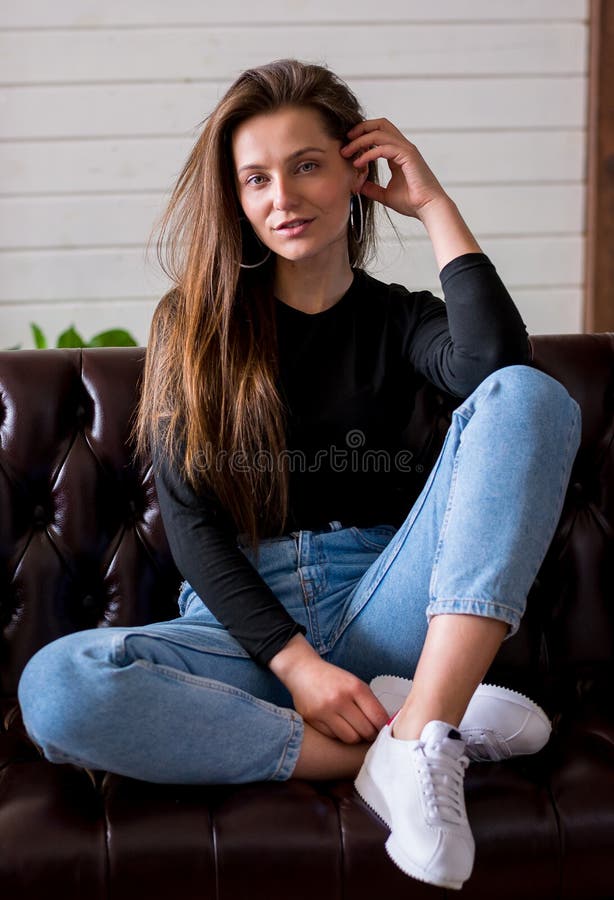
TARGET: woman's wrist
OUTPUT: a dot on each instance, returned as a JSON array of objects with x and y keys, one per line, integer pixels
[
  {"x": 449, "y": 233},
  {"x": 297, "y": 651}
]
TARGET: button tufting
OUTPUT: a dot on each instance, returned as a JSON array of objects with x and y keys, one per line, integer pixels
[
  {"x": 39, "y": 516},
  {"x": 577, "y": 491}
]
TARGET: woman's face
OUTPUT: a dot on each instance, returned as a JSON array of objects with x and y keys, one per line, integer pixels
[{"x": 293, "y": 184}]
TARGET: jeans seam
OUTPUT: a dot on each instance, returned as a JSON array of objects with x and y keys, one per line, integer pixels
[
  {"x": 444, "y": 524},
  {"x": 310, "y": 609},
  {"x": 284, "y": 755},
  {"x": 494, "y": 605},
  {"x": 212, "y": 684},
  {"x": 235, "y": 653},
  {"x": 369, "y": 545}
]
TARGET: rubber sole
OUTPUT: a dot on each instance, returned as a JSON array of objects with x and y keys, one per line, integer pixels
[
  {"x": 373, "y": 797},
  {"x": 399, "y": 857}
]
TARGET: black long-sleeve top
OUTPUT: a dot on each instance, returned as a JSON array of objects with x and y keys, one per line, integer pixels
[{"x": 348, "y": 375}]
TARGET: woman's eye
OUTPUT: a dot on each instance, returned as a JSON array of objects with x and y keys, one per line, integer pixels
[
  {"x": 307, "y": 166},
  {"x": 256, "y": 179}
]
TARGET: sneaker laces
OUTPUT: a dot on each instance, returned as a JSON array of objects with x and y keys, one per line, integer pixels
[
  {"x": 442, "y": 778},
  {"x": 486, "y": 746}
]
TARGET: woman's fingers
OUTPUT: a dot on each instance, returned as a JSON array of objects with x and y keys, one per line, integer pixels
[
  {"x": 360, "y": 138},
  {"x": 373, "y": 709},
  {"x": 334, "y": 700},
  {"x": 368, "y": 143},
  {"x": 366, "y": 716},
  {"x": 337, "y": 728},
  {"x": 381, "y": 151},
  {"x": 370, "y": 125},
  {"x": 349, "y": 730},
  {"x": 359, "y": 721},
  {"x": 412, "y": 184},
  {"x": 321, "y": 726},
  {"x": 374, "y": 192},
  {"x": 347, "y": 733}
]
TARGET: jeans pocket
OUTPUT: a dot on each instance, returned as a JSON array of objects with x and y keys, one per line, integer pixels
[{"x": 376, "y": 537}]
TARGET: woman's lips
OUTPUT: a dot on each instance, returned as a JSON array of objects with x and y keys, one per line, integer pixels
[{"x": 295, "y": 228}]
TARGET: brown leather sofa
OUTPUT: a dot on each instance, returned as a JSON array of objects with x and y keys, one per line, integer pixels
[{"x": 82, "y": 545}]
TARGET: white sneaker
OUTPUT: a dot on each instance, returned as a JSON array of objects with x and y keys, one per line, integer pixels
[
  {"x": 498, "y": 723},
  {"x": 416, "y": 788}
]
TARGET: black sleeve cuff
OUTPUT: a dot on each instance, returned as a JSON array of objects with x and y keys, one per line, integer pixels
[{"x": 276, "y": 643}]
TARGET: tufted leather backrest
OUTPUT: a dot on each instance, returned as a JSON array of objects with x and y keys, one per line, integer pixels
[
  {"x": 81, "y": 539},
  {"x": 82, "y": 542},
  {"x": 576, "y": 583}
]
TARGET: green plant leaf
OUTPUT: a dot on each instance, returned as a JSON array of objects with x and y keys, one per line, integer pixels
[
  {"x": 71, "y": 338},
  {"x": 40, "y": 341},
  {"x": 115, "y": 337}
]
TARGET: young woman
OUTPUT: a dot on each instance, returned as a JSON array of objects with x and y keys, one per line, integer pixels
[{"x": 280, "y": 380}]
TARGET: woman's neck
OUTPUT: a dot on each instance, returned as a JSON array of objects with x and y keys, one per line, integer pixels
[{"x": 310, "y": 287}]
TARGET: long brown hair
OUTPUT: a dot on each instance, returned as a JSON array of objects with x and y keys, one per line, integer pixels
[{"x": 210, "y": 394}]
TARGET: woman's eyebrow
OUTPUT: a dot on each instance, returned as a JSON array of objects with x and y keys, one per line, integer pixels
[{"x": 292, "y": 156}]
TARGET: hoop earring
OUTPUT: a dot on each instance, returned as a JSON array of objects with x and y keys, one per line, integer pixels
[
  {"x": 357, "y": 199},
  {"x": 262, "y": 261},
  {"x": 255, "y": 265}
]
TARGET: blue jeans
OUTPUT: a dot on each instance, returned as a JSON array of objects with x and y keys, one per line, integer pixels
[{"x": 181, "y": 701}]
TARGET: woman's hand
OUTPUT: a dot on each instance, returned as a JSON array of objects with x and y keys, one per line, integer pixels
[
  {"x": 412, "y": 185},
  {"x": 412, "y": 190},
  {"x": 335, "y": 702}
]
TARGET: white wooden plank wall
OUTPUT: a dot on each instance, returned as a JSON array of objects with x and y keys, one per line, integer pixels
[{"x": 100, "y": 101}]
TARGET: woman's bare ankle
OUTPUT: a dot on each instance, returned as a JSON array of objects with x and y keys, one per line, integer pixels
[{"x": 411, "y": 719}]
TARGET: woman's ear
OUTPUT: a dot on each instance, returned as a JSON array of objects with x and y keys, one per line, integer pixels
[{"x": 361, "y": 176}]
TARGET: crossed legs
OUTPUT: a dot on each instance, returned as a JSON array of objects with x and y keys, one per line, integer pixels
[{"x": 464, "y": 559}]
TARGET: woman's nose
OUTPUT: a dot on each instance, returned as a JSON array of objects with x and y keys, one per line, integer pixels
[{"x": 284, "y": 196}]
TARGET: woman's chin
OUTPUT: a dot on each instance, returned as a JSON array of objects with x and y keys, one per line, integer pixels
[{"x": 312, "y": 255}]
